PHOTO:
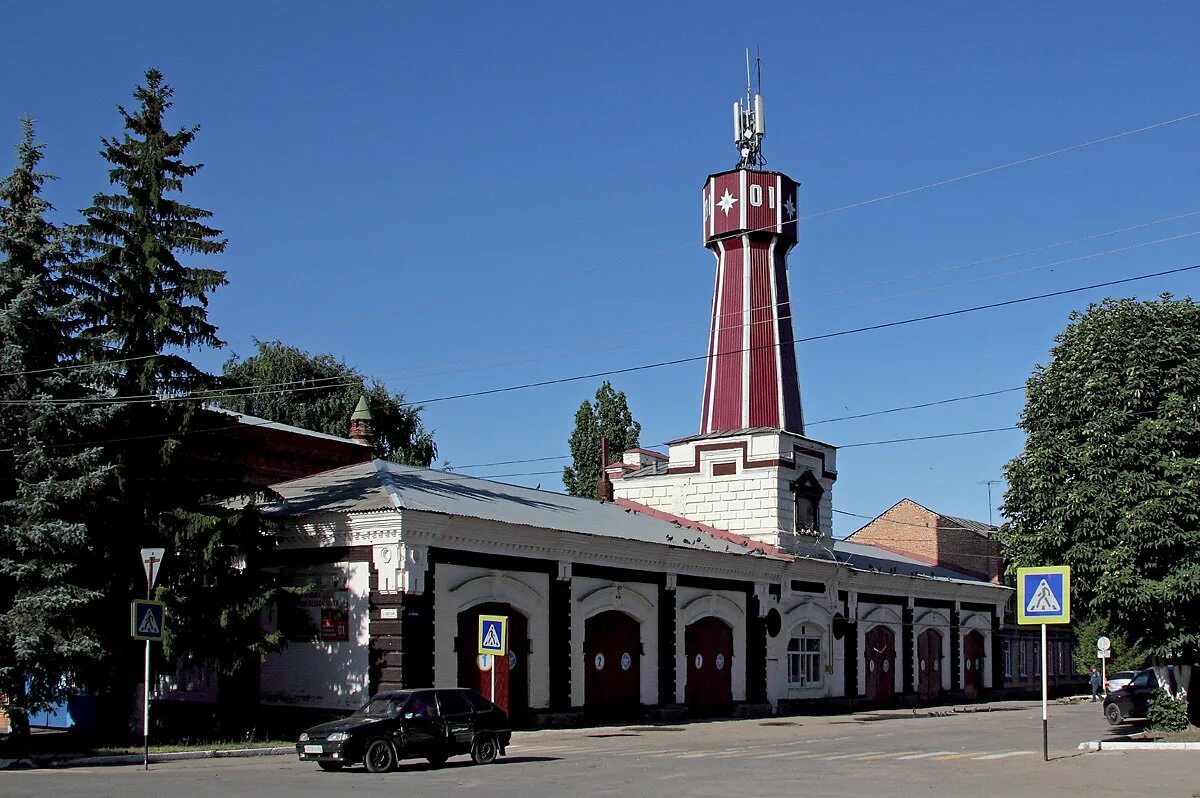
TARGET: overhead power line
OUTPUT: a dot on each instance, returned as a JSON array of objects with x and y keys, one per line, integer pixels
[{"x": 679, "y": 361}]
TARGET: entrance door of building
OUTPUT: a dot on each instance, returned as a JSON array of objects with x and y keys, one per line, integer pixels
[
  {"x": 612, "y": 665},
  {"x": 512, "y": 672},
  {"x": 708, "y": 645},
  {"x": 973, "y": 665},
  {"x": 880, "y": 657},
  {"x": 929, "y": 665}
]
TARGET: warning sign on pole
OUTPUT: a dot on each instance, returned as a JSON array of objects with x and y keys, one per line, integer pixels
[
  {"x": 1044, "y": 594},
  {"x": 493, "y": 635}
]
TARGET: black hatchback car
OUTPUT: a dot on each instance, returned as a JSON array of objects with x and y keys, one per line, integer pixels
[
  {"x": 410, "y": 724},
  {"x": 1132, "y": 700}
]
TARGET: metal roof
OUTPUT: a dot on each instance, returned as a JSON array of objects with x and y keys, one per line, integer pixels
[
  {"x": 381, "y": 485},
  {"x": 255, "y": 421},
  {"x": 978, "y": 527},
  {"x": 866, "y": 557}
]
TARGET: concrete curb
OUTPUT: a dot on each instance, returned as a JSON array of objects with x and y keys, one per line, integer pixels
[
  {"x": 136, "y": 759},
  {"x": 1099, "y": 745}
]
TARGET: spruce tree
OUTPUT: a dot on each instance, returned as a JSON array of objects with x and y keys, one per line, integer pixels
[
  {"x": 146, "y": 303},
  {"x": 50, "y": 479}
]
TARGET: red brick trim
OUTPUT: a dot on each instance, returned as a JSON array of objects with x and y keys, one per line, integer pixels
[
  {"x": 747, "y": 463},
  {"x": 720, "y": 534}
]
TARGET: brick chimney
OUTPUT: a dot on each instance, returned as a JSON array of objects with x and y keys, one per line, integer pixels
[
  {"x": 362, "y": 424},
  {"x": 604, "y": 486}
]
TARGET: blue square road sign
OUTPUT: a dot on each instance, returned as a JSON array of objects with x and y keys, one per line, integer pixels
[
  {"x": 147, "y": 620},
  {"x": 1044, "y": 594}
]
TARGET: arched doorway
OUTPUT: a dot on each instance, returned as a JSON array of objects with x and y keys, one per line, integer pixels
[
  {"x": 708, "y": 646},
  {"x": 880, "y": 657},
  {"x": 929, "y": 665},
  {"x": 973, "y": 665},
  {"x": 512, "y": 672},
  {"x": 612, "y": 664}
]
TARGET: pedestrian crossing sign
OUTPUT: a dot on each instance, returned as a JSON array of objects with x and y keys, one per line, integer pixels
[
  {"x": 147, "y": 620},
  {"x": 493, "y": 635},
  {"x": 1044, "y": 594}
]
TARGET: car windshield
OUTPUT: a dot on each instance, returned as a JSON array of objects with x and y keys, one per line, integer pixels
[{"x": 381, "y": 706}]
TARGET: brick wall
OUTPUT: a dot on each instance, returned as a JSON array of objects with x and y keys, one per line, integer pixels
[
  {"x": 907, "y": 527},
  {"x": 968, "y": 551}
]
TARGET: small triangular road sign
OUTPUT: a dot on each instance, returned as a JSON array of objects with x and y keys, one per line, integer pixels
[
  {"x": 491, "y": 638},
  {"x": 148, "y": 625},
  {"x": 1043, "y": 599}
]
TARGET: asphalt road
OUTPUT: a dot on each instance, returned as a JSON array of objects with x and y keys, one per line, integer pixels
[{"x": 890, "y": 754}]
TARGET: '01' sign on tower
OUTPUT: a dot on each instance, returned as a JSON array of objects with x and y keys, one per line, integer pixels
[{"x": 750, "y": 224}]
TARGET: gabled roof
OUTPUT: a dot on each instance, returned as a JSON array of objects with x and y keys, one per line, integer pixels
[
  {"x": 255, "y": 421},
  {"x": 381, "y": 486}
]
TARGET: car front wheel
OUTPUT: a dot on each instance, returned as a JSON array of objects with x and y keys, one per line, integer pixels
[
  {"x": 380, "y": 756},
  {"x": 1112, "y": 714},
  {"x": 485, "y": 750}
]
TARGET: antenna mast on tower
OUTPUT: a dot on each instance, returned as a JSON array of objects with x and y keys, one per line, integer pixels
[{"x": 748, "y": 123}]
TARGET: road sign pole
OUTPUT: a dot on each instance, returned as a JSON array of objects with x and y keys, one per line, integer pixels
[
  {"x": 146, "y": 713},
  {"x": 1045, "y": 727},
  {"x": 1104, "y": 674},
  {"x": 492, "y": 663}
]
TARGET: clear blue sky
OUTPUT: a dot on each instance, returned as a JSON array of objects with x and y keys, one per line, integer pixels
[{"x": 461, "y": 197}]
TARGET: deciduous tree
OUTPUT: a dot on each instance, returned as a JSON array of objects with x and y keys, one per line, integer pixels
[
  {"x": 1109, "y": 481},
  {"x": 608, "y": 417},
  {"x": 319, "y": 392}
]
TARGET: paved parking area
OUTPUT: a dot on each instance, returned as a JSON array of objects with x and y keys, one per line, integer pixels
[{"x": 890, "y": 754}]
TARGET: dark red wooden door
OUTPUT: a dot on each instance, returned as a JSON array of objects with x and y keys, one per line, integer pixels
[
  {"x": 708, "y": 644},
  {"x": 880, "y": 656},
  {"x": 512, "y": 672},
  {"x": 973, "y": 665},
  {"x": 612, "y": 664},
  {"x": 929, "y": 665}
]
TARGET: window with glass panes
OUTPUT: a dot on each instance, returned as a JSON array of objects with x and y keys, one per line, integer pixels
[{"x": 804, "y": 657}]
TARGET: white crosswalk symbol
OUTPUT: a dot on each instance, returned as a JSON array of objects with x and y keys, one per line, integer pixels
[
  {"x": 491, "y": 639},
  {"x": 148, "y": 626},
  {"x": 1043, "y": 599}
]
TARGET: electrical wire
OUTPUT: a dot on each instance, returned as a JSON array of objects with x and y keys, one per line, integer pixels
[{"x": 676, "y": 361}]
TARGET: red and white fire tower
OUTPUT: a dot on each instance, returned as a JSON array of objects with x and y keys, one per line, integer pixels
[{"x": 750, "y": 224}]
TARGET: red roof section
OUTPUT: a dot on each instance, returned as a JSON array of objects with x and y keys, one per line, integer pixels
[{"x": 719, "y": 534}]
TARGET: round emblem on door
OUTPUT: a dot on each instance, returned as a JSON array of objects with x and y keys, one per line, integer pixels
[
  {"x": 699, "y": 661},
  {"x": 937, "y": 665},
  {"x": 719, "y": 661},
  {"x": 599, "y": 662},
  {"x": 969, "y": 663},
  {"x": 871, "y": 666},
  {"x": 923, "y": 663},
  {"x": 887, "y": 665},
  {"x": 512, "y": 660},
  {"x": 626, "y": 661}
]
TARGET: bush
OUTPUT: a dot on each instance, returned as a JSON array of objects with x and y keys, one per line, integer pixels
[{"x": 1166, "y": 713}]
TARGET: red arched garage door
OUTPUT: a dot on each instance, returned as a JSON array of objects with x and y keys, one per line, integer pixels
[
  {"x": 973, "y": 665},
  {"x": 708, "y": 645},
  {"x": 879, "y": 656},
  {"x": 512, "y": 672},
  {"x": 612, "y": 664},
  {"x": 929, "y": 665}
]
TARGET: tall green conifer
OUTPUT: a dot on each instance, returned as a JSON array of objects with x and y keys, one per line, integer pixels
[{"x": 50, "y": 479}]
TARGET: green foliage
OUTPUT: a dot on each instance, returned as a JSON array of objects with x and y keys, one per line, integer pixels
[
  {"x": 1126, "y": 655},
  {"x": 49, "y": 484},
  {"x": 1166, "y": 713},
  {"x": 608, "y": 416},
  {"x": 319, "y": 392},
  {"x": 1109, "y": 481}
]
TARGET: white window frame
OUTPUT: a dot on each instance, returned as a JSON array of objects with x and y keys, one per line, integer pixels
[
  {"x": 806, "y": 657},
  {"x": 1008, "y": 656}
]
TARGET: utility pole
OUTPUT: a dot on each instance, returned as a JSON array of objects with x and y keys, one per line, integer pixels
[{"x": 989, "y": 483}]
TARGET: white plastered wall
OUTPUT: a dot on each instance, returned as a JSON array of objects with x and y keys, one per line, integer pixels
[
  {"x": 694, "y": 604},
  {"x": 932, "y": 619},
  {"x": 983, "y": 624},
  {"x": 323, "y": 674},
  {"x": 870, "y": 616},
  {"x": 459, "y": 588},
  {"x": 638, "y": 600}
]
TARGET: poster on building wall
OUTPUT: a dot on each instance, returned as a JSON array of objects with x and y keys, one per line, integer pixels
[{"x": 323, "y": 613}]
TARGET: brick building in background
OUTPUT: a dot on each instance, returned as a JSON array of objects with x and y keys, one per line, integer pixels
[
  {"x": 908, "y": 528},
  {"x": 971, "y": 547}
]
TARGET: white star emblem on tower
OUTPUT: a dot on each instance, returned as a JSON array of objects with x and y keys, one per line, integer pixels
[
  {"x": 727, "y": 202},
  {"x": 791, "y": 208}
]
